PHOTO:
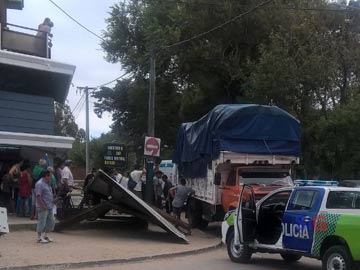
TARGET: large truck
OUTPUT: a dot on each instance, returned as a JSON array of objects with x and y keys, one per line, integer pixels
[{"x": 234, "y": 145}]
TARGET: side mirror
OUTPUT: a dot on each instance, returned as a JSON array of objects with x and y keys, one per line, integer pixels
[{"x": 217, "y": 179}]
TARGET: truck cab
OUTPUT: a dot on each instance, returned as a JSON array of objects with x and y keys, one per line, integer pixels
[
  {"x": 263, "y": 179},
  {"x": 320, "y": 222}
]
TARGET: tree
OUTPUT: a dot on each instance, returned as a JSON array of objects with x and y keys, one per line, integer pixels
[
  {"x": 65, "y": 122},
  {"x": 294, "y": 54},
  {"x": 310, "y": 69}
]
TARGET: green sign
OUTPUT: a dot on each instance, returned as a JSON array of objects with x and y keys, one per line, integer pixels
[{"x": 115, "y": 155}]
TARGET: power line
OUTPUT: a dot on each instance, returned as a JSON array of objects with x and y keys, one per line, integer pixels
[
  {"x": 314, "y": 9},
  {"x": 77, "y": 104},
  {"x": 80, "y": 108},
  {"x": 218, "y": 27},
  {"x": 76, "y": 21},
  {"x": 118, "y": 78},
  {"x": 91, "y": 32}
]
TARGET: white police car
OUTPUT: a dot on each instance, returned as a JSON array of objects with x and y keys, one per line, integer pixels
[{"x": 321, "y": 222}]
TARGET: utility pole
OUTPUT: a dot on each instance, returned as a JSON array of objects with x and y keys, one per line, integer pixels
[
  {"x": 3, "y": 19},
  {"x": 87, "y": 136},
  {"x": 87, "y": 154},
  {"x": 151, "y": 130}
]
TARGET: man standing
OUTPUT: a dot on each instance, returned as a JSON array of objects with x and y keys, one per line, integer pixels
[
  {"x": 44, "y": 207},
  {"x": 121, "y": 179},
  {"x": 180, "y": 194},
  {"x": 136, "y": 180},
  {"x": 166, "y": 190},
  {"x": 67, "y": 183},
  {"x": 66, "y": 175},
  {"x": 158, "y": 190}
]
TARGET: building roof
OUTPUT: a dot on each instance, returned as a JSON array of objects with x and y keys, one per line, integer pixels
[
  {"x": 33, "y": 75},
  {"x": 36, "y": 140}
]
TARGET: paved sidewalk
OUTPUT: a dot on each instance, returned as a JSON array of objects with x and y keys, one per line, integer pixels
[{"x": 96, "y": 243}]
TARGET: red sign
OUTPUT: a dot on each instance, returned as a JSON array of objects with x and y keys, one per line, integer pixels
[{"x": 152, "y": 147}]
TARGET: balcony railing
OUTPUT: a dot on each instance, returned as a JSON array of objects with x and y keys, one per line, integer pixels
[{"x": 35, "y": 42}]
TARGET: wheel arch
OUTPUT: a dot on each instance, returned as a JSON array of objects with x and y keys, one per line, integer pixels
[
  {"x": 230, "y": 230},
  {"x": 333, "y": 240}
]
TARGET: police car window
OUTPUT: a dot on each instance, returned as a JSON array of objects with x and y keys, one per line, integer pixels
[
  {"x": 343, "y": 200},
  {"x": 304, "y": 200},
  {"x": 278, "y": 198}
]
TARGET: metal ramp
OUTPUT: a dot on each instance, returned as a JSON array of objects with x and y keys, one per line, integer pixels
[{"x": 118, "y": 198}]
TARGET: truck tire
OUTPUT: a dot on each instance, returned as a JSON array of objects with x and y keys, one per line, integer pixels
[
  {"x": 194, "y": 217},
  {"x": 203, "y": 224},
  {"x": 238, "y": 254},
  {"x": 337, "y": 257},
  {"x": 290, "y": 258}
]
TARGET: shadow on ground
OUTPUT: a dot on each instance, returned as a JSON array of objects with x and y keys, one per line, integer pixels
[{"x": 123, "y": 229}]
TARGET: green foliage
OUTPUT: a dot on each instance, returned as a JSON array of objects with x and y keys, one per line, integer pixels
[
  {"x": 64, "y": 121},
  {"x": 96, "y": 146},
  {"x": 287, "y": 54},
  {"x": 77, "y": 153}
]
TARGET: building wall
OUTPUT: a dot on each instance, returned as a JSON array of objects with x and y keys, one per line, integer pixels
[{"x": 26, "y": 113}]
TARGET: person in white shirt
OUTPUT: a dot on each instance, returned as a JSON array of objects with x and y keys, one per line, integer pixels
[
  {"x": 66, "y": 174},
  {"x": 137, "y": 177},
  {"x": 122, "y": 180}
]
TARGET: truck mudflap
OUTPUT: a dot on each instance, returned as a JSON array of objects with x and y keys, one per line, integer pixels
[{"x": 126, "y": 201}]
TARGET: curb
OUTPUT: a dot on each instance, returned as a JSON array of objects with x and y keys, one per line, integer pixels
[
  {"x": 113, "y": 261},
  {"x": 15, "y": 227},
  {"x": 22, "y": 227}
]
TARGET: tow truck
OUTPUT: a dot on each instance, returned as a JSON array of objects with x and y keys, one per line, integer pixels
[{"x": 315, "y": 219}]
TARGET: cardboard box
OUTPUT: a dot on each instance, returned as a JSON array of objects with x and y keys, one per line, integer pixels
[{"x": 4, "y": 227}]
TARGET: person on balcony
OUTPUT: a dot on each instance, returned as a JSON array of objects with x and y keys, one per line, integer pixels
[{"x": 45, "y": 28}]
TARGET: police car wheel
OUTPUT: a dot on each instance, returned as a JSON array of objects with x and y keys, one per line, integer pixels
[
  {"x": 290, "y": 258},
  {"x": 238, "y": 254},
  {"x": 337, "y": 258}
]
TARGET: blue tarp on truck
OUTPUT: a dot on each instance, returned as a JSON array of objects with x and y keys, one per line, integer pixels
[{"x": 239, "y": 128}]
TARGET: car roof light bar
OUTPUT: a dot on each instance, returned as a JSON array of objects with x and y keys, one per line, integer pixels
[{"x": 316, "y": 183}]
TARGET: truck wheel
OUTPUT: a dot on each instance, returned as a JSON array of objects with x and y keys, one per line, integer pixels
[
  {"x": 290, "y": 258},
  {"x": 203, "y": 224},
  {"x": 193, "y": 218},
  {"x": 337, "y": 257},
  {"x": 238, "y": 254}
]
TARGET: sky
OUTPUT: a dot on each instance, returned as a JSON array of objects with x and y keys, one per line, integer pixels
[{"x": 74, "y": 45}]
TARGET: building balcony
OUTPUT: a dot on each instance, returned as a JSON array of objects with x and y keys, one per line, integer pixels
[
  {"x": 31, "y": 42},
  {"x": 26, "y": 67}
]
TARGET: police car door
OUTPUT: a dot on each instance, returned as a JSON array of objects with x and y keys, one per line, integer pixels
[
  {"x": 298, "y": 220},
  {"x": 246, "y": 216}
]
